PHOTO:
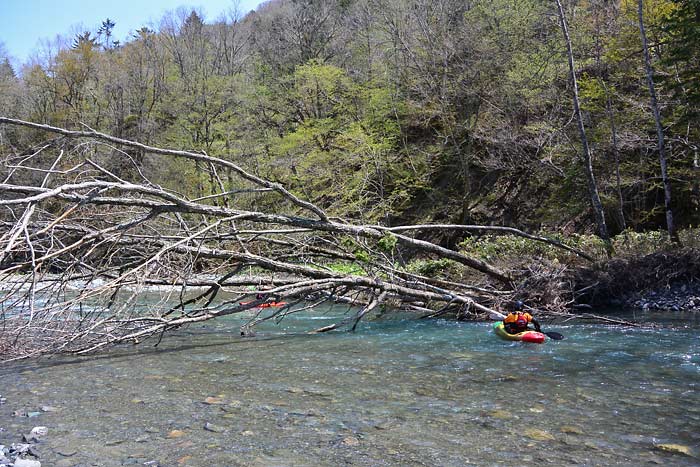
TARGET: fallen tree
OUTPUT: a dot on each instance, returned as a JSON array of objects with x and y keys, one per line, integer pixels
[{"x": 79, "y": 244}]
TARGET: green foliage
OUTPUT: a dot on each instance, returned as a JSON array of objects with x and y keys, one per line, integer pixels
[
  {"x": 592, "y": 93},
  {"x": 501, "y": 248},
  {"x": 631, "y": 243},
  {"x": 347, "y": 268},
  {"x": 357, "y": 250},
  {"x": 639, "y": 243},
  {"x": 337, "y": 152},
  {"x": 684, "y": 57},
  {"x": 388, "y": 242},
  {"x": 439, "y": 111},
  {"x": 430, "y": 267},
  {"x": 495, "y": 248}
]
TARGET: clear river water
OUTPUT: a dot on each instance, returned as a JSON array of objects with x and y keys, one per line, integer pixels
[{"x": 398, "y": 392}]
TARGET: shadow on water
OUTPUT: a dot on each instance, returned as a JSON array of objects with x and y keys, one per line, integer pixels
[{"x": 143, "y": 350}]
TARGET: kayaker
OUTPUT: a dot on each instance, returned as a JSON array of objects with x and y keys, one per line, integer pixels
[
  {"x": 517, "y": 320},
  {"x": 263, "y": 295}
]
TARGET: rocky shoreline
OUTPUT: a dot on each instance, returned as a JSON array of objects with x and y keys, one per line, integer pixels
[
  {"x": 23, "y": 454},
  {"x": 676, "y": 298}
]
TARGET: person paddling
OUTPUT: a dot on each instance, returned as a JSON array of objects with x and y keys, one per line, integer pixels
[{"x": 518, "y": 320}]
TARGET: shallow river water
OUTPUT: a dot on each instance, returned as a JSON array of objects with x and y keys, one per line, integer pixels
[{"x": 395, "y": 393}]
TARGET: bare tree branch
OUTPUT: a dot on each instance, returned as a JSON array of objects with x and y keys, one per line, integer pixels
[{"x": 92, "y": 257}]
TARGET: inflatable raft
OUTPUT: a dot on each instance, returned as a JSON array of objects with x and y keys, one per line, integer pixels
[
  {"x": 525, "y": 336},
  {"x": 272, "y": 305},
  {"x": 266, "y": 305}
]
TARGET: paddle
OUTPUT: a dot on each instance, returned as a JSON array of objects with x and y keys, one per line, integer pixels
[{"x": 553, "y": 335}]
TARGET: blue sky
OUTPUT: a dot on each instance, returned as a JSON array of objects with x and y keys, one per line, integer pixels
[{"x": 24, "y": 22}]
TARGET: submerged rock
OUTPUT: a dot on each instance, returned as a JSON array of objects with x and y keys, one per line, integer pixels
[
  {"x": 570, "y": 429},
  {"x": 176, "y": 434},
  {"x": 184, "y": 459},
  {"x": 538, "y": 435},
  {"x": 350, "y": 441},
  {"x": 675, "y": 449},
  {"x": 500, "y": 414},
  {"x": 66, "y": 452},
  {"x": 212, "y": 400},
  {"x": 213, "y": 428},
  {"x": 115, "y": 442},
  {"x": 30, "y": 439}
]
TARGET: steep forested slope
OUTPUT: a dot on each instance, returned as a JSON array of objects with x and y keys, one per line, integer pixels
[{"x": 397, "y": 110}]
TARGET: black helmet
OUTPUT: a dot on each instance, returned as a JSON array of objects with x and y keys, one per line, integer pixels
[{"x": 519, "y": 305}]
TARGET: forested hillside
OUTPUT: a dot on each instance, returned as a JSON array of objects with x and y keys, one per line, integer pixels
[{"x": 399, "y": 111}]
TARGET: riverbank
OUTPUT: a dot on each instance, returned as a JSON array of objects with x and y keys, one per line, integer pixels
[
  {"x": 666, "y": 280},
  {"x": 676, "y": 297},
  {"x": 645, "y": 272}
]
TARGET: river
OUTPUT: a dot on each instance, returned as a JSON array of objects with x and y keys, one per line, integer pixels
[{"x": 398, "y": 392}]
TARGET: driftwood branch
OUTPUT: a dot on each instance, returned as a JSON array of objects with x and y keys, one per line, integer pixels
[{"x": 491, "y": 228}]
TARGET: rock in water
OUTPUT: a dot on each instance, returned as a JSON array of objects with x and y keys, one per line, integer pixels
[
  {"x": 213, "y": 428},
  {"x": 175, "y": 434},
  {"x": 30, "y": 439},
  {"x": 570, "y": 429},
  {"x": 350, "y": 441},
  {"x": 675, "y": 448},
  {"x": 66, "y": 452},
  {"x": 39, "y": 431},
  {"x": 500, "y": 414},
  {"x": 538, "y": 435},
  {"x": 27, "y": 463}
]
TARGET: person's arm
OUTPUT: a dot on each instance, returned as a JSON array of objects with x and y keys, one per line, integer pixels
[{"x": 536, "y": 324}]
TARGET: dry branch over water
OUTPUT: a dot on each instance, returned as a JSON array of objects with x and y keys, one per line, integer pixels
[{"x": 80, "y": 245}]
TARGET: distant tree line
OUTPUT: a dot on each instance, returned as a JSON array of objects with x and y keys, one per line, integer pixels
[{"x": 401, "y": 111}]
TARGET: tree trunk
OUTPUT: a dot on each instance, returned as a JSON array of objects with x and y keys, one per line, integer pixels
[
  {"x": 659, "y": 128},
  {"x": 616, "y": 152},
  {"x": 588, "y": 166},
  {"x": 696, "y": 183}
]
